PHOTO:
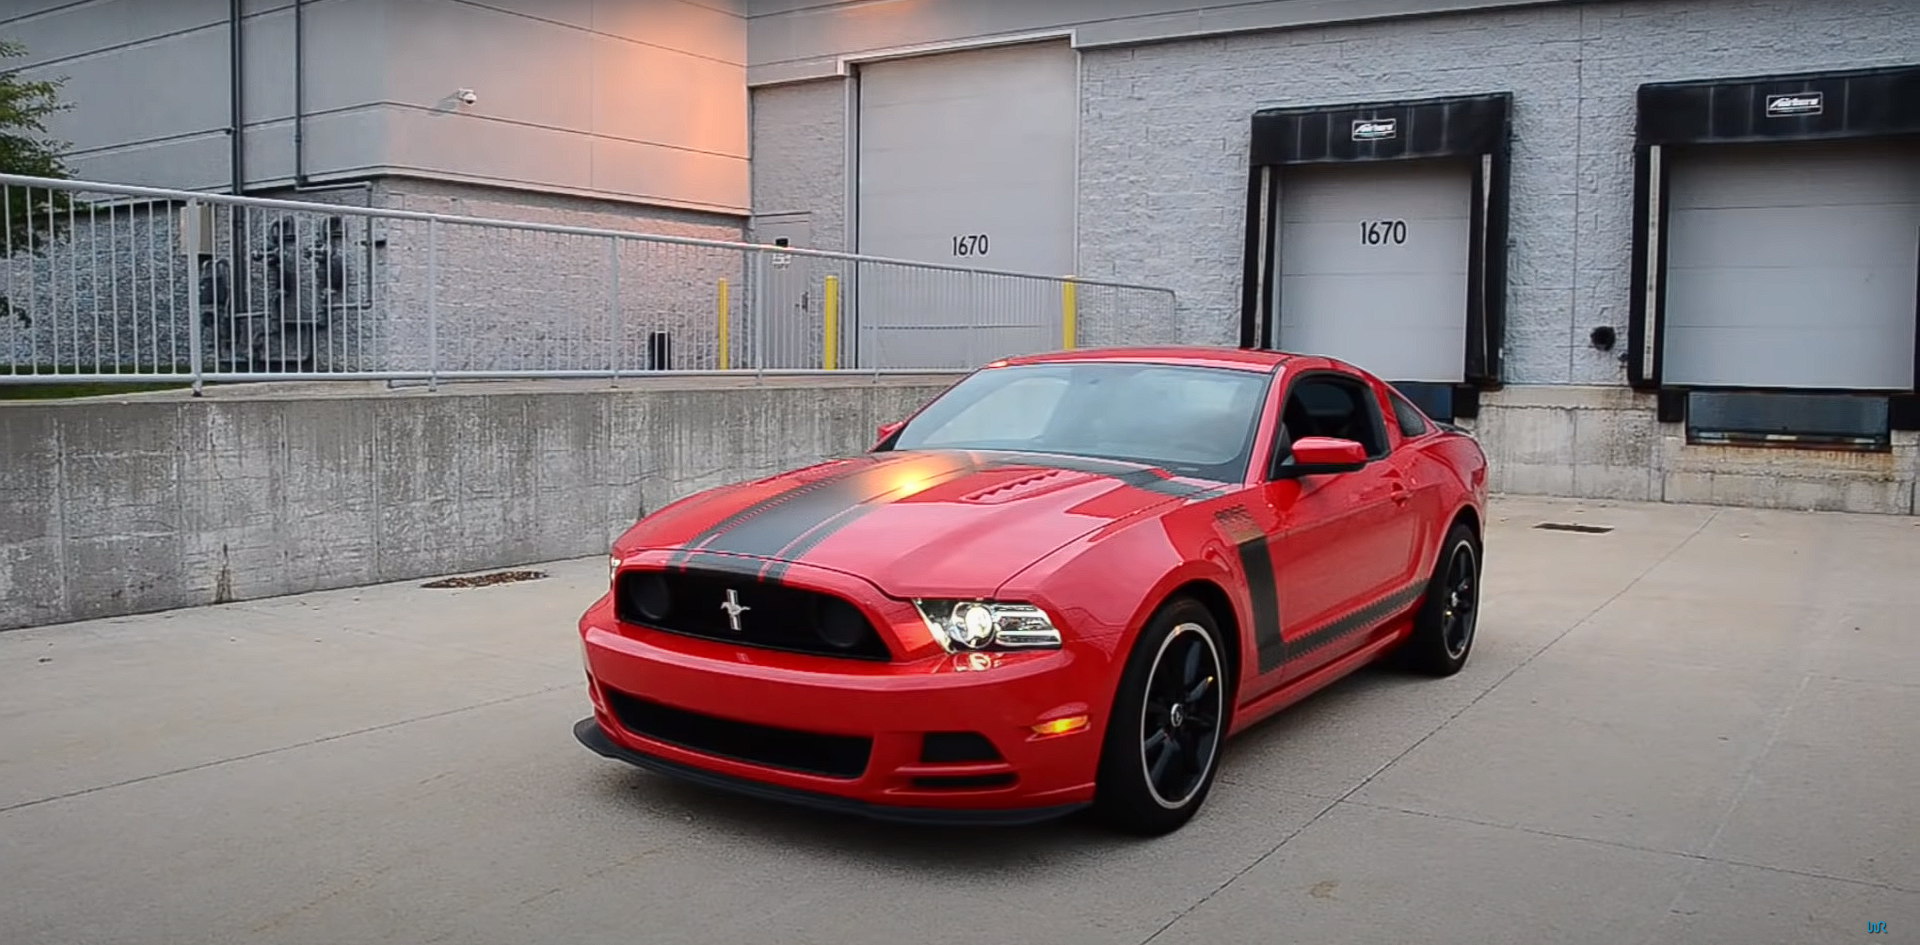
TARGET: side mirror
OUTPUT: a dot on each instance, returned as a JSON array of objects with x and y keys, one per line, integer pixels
[
  {"x": 887, "y": 430},
  {"x": 1323, "y": 455}
]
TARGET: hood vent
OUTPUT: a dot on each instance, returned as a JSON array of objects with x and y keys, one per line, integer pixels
[{"x": 1020, "y": 488}]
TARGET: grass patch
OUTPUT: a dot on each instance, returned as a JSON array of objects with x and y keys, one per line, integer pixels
[
  {"x": 44, "y": 385},
  {"x": 56, "y": 391}
]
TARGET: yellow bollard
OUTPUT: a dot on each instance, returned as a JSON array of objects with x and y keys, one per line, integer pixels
[
  {"x": 830, "y": 342},
  {"x": 1069, "y": 312},
  {"x": 724, "y": 359}
]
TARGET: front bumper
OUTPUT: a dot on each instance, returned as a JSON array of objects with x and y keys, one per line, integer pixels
[{"x": 849, "y": 735}]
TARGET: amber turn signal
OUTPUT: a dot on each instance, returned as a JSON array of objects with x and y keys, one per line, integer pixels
[{"x": 1071, "y": 723}]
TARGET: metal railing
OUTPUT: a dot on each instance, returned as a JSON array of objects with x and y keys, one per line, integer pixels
[{"x": 102, "y": 283}]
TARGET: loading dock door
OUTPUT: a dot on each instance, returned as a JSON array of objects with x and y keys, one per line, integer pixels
[
  {"x": 1373, "y": 262},
  {"x": 1793, "y": 265},
  {"x": 965, "y": 159}
]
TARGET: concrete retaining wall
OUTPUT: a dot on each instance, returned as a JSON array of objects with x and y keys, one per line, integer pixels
[
  {"x": 1606, "y": 443},
  {"x": 132, "y": 504}
]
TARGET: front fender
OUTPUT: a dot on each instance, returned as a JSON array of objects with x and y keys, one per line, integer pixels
[{"x": 1107, "y": 585}]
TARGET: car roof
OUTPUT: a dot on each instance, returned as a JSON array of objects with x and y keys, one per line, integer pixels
[{"x": 1245, "y": 359}]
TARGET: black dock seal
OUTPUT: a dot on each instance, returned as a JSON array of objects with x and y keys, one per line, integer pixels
[{"x": 1473, "y": 127}]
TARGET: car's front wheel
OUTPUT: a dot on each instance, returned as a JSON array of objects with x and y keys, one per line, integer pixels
[{"x": 1169, "y": 721}]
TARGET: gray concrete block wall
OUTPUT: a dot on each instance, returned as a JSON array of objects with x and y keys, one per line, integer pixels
[
  {"x": 800, "y": 156},
  {"x": 527, "y": 300},
  {"x": 115, "y": 291},
  {"x": 122, "y": 264},
  {"x": 1164, "y": 138},
  {"x": 148, "y": 502},
  {"x": 1163, "y": 179}
]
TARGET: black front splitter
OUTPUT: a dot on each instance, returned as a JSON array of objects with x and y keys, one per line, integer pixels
[{"x": 590, "y": 734}]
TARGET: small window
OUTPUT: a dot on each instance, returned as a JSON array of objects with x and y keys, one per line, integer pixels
[
  {"x": 1412, "y": 422},
  {"x": 1768, "y": 418}
]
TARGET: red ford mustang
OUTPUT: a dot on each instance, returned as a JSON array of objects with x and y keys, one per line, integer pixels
[{"x": 1060, "y": 584}]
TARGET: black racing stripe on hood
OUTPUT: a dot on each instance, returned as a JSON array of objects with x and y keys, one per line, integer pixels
[
  {"x": 1210, "y": 492},
  {"x": 774, "y": 530},
  {"x": 747, "y": 568},
  {"x": 684, "y": 557},
  {"x": 959, "y": 465}
]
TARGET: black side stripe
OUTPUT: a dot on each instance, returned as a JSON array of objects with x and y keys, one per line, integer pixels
[
  {"x": 1366, "y": 617},
  {"x": 1256, "y": 560},
  {"x": 1272, "y": 648}
]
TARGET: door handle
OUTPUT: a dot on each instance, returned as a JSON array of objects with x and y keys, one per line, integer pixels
[{"x": 1401, "y": 493}]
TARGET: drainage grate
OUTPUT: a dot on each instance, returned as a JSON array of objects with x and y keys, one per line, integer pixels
[
  {"x": 485, "y": 580},
  {"x": 1575, "y": 527}
]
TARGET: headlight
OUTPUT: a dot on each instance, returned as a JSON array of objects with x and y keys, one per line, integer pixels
[
  {"x": 613, "y": 567},
  {"x": 979, "y": 625}
]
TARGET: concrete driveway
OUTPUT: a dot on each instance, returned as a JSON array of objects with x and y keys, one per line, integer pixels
[{"x": 1697, "y": 727}]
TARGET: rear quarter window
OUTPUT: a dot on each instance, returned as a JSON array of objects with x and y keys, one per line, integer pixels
[{"x": 1411, "y": 421}]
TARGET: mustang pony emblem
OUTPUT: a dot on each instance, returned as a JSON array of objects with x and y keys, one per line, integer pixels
[{"x": 734, "y": 609}]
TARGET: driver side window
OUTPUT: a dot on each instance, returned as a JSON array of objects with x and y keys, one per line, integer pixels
[{"x": 1330, "y": 405}]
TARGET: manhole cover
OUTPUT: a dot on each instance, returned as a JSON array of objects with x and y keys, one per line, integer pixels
[
  {"x": 485, "y": 580},
  {"x": 1575, "y": 527}
]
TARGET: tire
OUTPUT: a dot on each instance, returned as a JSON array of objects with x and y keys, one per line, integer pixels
[
  {"x": 1170, "y": 717},
  {"x": 1443, "y": 630}
]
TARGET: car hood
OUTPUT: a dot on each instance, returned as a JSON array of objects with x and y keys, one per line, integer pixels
[{"x": 914, "y": 523}]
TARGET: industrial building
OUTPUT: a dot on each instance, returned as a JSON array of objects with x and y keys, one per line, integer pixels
[{"x": 1647, "y": 249}]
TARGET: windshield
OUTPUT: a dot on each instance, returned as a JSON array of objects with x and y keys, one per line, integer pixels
[{"x": 1190, "y": 421}]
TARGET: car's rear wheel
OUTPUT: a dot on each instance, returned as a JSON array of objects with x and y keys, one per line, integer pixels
[
  {"x": 1169, "y": 721},
  {"x": 1443, "y": 630}
]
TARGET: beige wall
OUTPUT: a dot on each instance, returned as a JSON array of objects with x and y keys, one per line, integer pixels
[{"x": 639, "y": 100}]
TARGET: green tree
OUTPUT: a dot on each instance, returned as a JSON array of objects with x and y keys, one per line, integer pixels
[{"x": 34, "y": 214}]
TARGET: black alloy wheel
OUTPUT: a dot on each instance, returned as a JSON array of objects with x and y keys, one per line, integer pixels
[
  {"x": 1457, "y": 617},
  {"x": 1180, "y": 717},
  {"x": 1444, "y": 628},
  {"x": 1161, "y": 750}
]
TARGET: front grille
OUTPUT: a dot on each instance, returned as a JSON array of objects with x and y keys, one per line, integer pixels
[
  {"x": 835, "y": 756},
  {"x": 771, "y": 615}
]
